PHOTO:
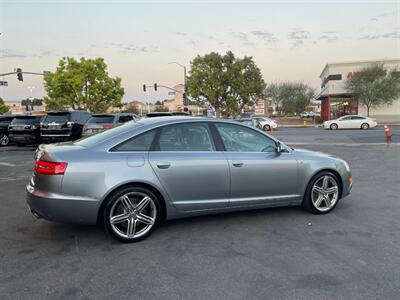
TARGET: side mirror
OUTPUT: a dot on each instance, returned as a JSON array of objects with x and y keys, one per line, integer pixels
[{"x": 278, "y": 147}]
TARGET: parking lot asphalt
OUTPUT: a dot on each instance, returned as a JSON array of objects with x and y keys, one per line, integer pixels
[{"x": 281, "y": 253}]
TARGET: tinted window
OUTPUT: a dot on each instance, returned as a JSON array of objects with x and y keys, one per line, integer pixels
[
  {"x": 105, "y": 135},
  {"x": 101, "y": 119},
  {"x": 57, "y": 118},
  {"x": 186, "y": 137},
  {"x": 357, "y": 118},
  {"x": 123, "y": 119},
  {"x": 27, "y": 120},
  {"x": 345, "y": 118},
  {"x": 141, "y": 142},
  {"x": 242, "y": 139}
]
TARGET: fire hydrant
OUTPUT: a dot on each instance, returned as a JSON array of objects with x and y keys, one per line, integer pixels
[{"x": 305, "y": 123}]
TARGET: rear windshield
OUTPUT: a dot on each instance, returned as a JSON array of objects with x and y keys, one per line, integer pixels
[
  {"x": 101, "y": 119},
  {"x": 105, "y": 135},
  {"x": 57, "y": 117},
  {"x": 27, "y": 120}
]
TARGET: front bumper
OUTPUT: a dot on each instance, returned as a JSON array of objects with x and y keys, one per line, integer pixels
[
  {"x": 25, "y": 138},
  {"x": 62, "y": 208}
]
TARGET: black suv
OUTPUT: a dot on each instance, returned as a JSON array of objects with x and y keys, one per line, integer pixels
[
  {"x": 4, "y": 122},
  {"x": 25, "y": 130},
  {"x": 63, "y": 125}
]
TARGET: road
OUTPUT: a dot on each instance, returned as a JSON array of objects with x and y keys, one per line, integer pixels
[{"x": 283, "y": 253}]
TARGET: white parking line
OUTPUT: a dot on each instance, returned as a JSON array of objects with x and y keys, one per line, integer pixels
[{"x": 6, "y": 164}]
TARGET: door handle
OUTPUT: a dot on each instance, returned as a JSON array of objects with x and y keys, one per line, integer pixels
[
  {"x": 237, "y": 164},
  {"x": 163, "y": 165}
]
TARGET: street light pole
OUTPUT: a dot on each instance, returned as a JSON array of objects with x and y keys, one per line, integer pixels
[
  {"x": 185, "y": 102},
  {"x": 31, "y": 90}
]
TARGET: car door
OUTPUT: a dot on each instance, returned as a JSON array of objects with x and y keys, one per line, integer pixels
[
  {"x": 356, "y": 121},
  {"x": 345, "y": 122},
  {"x": 194, "y": 174},
  {"x": 259, "y": 175}
]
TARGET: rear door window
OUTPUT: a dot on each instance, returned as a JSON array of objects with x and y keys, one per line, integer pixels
[
  {"x": 57, "y": 118},
  {"x": 186, "y": 137}
]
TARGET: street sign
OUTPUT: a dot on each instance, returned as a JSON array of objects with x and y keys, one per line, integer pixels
[{"x": 3, "y": 83}]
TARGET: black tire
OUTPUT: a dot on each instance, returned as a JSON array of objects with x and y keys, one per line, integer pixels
[
  {"x": 267, "y": 127},
  {"x": 365, "y": 126},
  {"x": 334, "y": 126},
  {"x": 307, "y": 201},
  {"x": 116, "y": 197},
  {"x": 4, "y": 140}
]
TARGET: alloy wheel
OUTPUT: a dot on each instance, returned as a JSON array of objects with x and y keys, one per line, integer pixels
[
  {"x": 4, "y": 140},
  {"x": 133, "y": 215},
  {"x": 364, "y": 126},
  {"x": 334, "y": 126},
  {"x": 325, "y": 193}
]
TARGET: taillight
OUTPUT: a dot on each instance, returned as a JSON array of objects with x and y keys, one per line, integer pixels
[{"x": 50, "y": 168}]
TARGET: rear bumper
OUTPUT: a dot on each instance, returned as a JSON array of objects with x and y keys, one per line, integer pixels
[
  {"x": 61, "y": 208},
  {"x": 25, "y": 138}
]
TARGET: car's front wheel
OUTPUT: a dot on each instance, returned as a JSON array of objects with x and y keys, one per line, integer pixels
[
  {"x": 322, "y": 193},
  {"x": 4, "y": 140},
  {"x": 267, "y": 127},
  {"x": 132, "y": 213},
  {"x": 364, "y": 126},
  {"x": 333, "y": 126}
]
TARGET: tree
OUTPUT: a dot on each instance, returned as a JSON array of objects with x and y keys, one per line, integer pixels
[
  {"x": 274, "y": 92},
  {"x": 374, "y": 86},
  {"x": 132, "y": 108},
  {"x": 3, "y": 107},
  {"x": 226, "y": 82},
  {"x": 83, "y": 84},
  {"x": 290, "y": 97},
  {"x": 32, "y": 102}
]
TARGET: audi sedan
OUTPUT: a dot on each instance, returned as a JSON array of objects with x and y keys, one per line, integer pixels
[
  {"x": 134, "y": 176},
  {"x": 351, "y": 122}
]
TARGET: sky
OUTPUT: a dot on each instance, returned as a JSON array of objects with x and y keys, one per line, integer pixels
[{"x": 288, "y": 40}]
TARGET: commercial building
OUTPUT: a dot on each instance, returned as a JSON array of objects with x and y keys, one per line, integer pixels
[{"x": 336, "y": 102}]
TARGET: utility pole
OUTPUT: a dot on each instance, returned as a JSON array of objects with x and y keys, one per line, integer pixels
[{"x": 185, "y": 97}]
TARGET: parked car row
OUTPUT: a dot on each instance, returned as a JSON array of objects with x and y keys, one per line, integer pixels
[{"x": 56, "y": 126}]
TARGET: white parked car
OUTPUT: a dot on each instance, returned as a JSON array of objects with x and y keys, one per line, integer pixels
[
  {"x": 351, "y": 122},
  {"x": 266, "y": 123}
]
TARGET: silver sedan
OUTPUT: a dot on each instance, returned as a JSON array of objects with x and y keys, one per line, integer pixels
[{"x": 136, "y": 175}]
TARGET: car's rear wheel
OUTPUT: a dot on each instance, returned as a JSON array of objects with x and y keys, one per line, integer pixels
[
  {"x": 333, "y": 126},
  {"x": 4, "y": 140},
  {"x": 322, "y": 193},
  {"x": 364, "y": 126},
  {"x": 131, "y": 214},
  {"x": 267, "y": 127}
]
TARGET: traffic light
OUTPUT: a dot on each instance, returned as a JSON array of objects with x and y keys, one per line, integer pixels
[
  {"x": 155, "y": 86},
  {"x": 19, "y": 74},
  {"x": 185, "y": 99},
  {"x": 144, "y": 87}
]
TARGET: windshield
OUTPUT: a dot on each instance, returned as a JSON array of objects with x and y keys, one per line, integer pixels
[
  {"x": 57, "y": 117},
  {"x": 101, "y": 119},
  {"x": 105, "y": 135},
  {"x": 26, "y": 120}
]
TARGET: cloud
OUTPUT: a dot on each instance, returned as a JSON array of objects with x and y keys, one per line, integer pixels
[
  {"x": 328, "y": 37},
  {"x": 268, "y": 37},
  {"x": 298, "y": 37},
  {"x": 393, "y": 35},
  {"x": 10, "y": 53},
  {"x": 240, "y": 35},
  {"x": 131, "y": 48},
  {"x": 180, "y": 33}
]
